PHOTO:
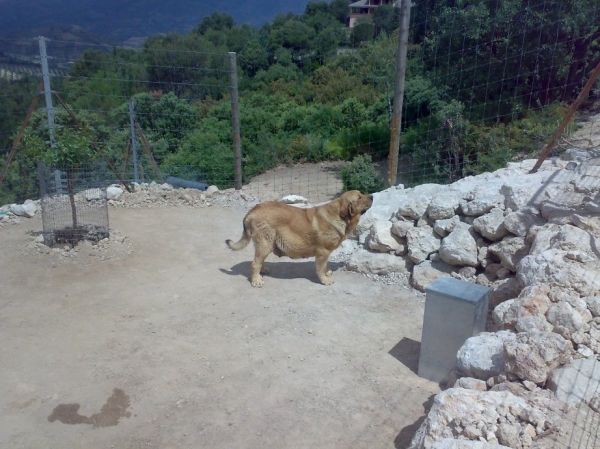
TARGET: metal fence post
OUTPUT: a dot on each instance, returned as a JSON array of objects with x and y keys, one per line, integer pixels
[
  {"x": 136, "y": 170},
  {"x": 235, "y": 118},
  {"x": 399, "y": 92},
  {"x": 49, "y": 107}
]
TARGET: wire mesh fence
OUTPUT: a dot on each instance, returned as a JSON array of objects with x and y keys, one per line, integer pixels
[
  {"x": 506, "y": 67},
  {"x": 486, "y": 82},
  {"x": 157, "y": 95}
]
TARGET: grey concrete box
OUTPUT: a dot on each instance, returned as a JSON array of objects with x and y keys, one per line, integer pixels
[{"x": 454, "y": 311}]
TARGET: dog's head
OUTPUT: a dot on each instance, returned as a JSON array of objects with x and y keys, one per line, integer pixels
[{"x": 354, "y": 203}]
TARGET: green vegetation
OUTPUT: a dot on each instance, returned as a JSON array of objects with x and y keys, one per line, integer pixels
[
  {"x": 359, "y": 174},
  {"x": 312, "y": 90}
]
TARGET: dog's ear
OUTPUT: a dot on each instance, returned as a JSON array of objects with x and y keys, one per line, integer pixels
[{"x": 347, "y": 209}]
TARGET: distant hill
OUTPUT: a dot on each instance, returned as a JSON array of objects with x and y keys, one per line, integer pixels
[
  {"x": 116, "y": 21},
  {"x": 66, "y": 42}
]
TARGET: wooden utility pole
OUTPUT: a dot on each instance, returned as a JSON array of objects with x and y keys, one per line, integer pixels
[
  {"x": 235, "y": 118},
  {"x": 582, "y": 95},
  {"x": 399, "y": 91}
]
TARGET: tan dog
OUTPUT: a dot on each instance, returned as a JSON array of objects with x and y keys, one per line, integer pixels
[{"x": 295, "y": 232}]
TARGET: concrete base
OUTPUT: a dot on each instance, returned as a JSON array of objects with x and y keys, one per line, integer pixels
[{"x": 454, "y": 311}]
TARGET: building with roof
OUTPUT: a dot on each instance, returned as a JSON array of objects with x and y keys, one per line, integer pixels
[{"x": 363, "y": 8}]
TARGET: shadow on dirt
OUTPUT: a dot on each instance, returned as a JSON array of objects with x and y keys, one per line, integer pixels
[
  {"x": 282, "y": 270},
  {"x": 407, "y": 352},
  {"x": 403, "y": 439}
]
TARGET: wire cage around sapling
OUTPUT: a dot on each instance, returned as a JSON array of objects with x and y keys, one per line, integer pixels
[{"x": 74, "y": 204}]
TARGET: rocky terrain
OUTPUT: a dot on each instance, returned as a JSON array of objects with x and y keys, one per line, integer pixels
[{"x": 532, "y": 239}]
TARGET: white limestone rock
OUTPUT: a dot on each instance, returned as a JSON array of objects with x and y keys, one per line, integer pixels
[
  {"x": 481, "y": 356},
  {"x": 590, "y": 224},
  {"x": 510, "y": 251},
  {"x": 381, "y": 238},
  {"x": 503, "y": 290},
  {"x": 212, "y": 190},
  {"x": 460, "y": 247},
  {"x": 28, "y": 209},
  {"x": 416, "y": 203},
  {"x": 521, "y": 221},
  {"x": 427, "y": 272},
  {"x": 401, "y": 226},
  {"x": 577, "y": 382},
  {"x": 554, "y": 268},
  {"x": 446, "y": 226},
  {"x": 470, "y": 383},
  {"x": 533, "y": 355},
  {"x": 452, "y": 443},
  {"x": 563, "y": 314},
  {"x": 444, "y": 205},
  {"x": 532, "y": 301},
  {"x": 113, "y": 192},
  {"x": 482, "y": 204},
  {"x": 292, "y": 199},
  {"x": 491, "y": 225},
  {"x": 518, "y": 197},
  {"x": 364, "y": 261},
  {"x": 457, "y": 412},
  {"x": 593, "y": 304},
  {"x": 422, "y": 241}
]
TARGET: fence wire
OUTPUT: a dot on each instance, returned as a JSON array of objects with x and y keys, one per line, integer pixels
[
  {"x": 486, "y": 84},
  {"x": 74, "y": 203}
]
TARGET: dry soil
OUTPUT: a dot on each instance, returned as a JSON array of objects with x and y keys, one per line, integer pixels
[{"x": 161, "y": 342}]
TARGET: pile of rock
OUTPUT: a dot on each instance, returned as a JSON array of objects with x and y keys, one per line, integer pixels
[
  {"x": 532, "y": 238},
  {"x": 489, "y": 419},
  {"x": 149, "y": 195},
  {"x": 153, "y": 195},
  {"x": 12, "y": 214},
  {"x": 480, "y": 228}
]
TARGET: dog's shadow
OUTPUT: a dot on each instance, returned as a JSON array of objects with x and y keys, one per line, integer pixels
[{"x": 283, "y": 270}]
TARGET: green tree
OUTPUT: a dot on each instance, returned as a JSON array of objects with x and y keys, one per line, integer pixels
[
  {"x": 209, "y": 150},
  {"x": 386, "y": 18},
  {"x": 217, "y": 21},
  {"x": 189, "y": 66},
  {"x": 510, "y": 51},
  {"x": 362, "y": 31},
  {"x": 340, "y": 9},
  {"x": 253, "y": 58}
]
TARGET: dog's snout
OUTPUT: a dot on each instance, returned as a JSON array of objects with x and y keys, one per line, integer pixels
[{"x": 371, "y": 197}]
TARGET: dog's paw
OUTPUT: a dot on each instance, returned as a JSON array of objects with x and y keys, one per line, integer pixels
[
  {"x": 329, "y": 273},
  {"x": 327, "y": 281},
  {"x": 257, "y": 282}
]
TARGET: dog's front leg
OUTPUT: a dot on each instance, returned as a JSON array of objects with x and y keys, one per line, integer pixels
[{"x": 322, "y": 272}]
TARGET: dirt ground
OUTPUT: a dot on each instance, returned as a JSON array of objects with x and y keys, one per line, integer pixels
[{"x": 164, "y": 344}]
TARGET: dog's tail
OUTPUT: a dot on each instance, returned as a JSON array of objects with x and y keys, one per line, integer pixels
[{"x": 241, "y": 243}]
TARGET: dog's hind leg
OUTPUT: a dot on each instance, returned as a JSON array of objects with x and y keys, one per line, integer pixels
[
  {"x": 262, "y": 248},
  {"x": 323, "y": 273}
]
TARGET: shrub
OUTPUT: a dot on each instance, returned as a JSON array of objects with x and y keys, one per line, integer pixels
[
  {"x": 372, "y": 139},
  {"x": 360, "y": 174}
]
